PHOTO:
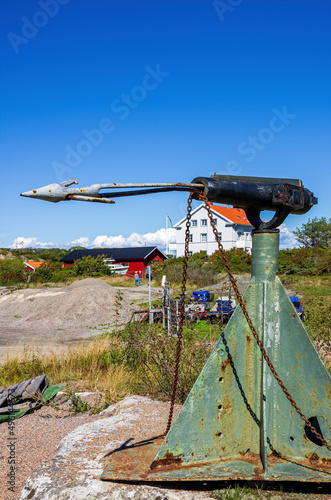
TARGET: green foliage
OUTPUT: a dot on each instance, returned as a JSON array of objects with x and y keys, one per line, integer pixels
[
  {"x": 78, "y": 405},
  {"x": 239, "y": 261},
  {"x": 202, "y": 270},
  {"x": 315, "y": 233},
  {"x": 47, "y": 254},
  {"x": 316, "y": 299},
  {"x": 318, "y": 314},
  {"x": 236, "y": 493},
  {"x": 43, "y": 274},
  {"x": 11, "y": 271},
  {"x": 150, "y": 354},
  {"x": 305, "y": 261},
  {"x": 92, "y": 266},
  {"x": 71, "y": 249}
]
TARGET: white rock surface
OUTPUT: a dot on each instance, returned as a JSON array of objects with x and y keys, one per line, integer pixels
[{"x": 73, "y": 474}]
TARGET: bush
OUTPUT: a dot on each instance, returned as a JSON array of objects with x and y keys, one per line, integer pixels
[
  {"x": 239, "y": 261},
  {"x": 305, "y": 261},
  {"x": 150, "y": 354},
  {"x": 88, "y": 265},
  {"x": 318, "y": 322},
  {"x": 11, "y": 271}
]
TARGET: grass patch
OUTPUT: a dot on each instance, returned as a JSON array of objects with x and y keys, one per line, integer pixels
[
  {"x": 86, "y": 364},
  {"x": 139, "y": 360},
  {"x": 316, "y": 300}
]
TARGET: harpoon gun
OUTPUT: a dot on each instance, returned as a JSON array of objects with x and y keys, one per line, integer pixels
[{"x": 252, "y": 194}]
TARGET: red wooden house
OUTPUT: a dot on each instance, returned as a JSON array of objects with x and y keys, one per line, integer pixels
[{"x": 137, "y": 258}]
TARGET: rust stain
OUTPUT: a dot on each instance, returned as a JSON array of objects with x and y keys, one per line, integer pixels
[
  {"x": 34, "y": 191},
  {"x": 224, "y": 364},
  {"x": 134, "y": 464},
  {"x": 169, "y": 460},
  {"x": 313, "y": 457},
  {"x": 49, "y": 190},
  {"x": 82, "y": 190}
]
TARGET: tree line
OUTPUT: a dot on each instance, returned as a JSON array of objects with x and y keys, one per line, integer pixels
[{"x": 313, "y": 257}]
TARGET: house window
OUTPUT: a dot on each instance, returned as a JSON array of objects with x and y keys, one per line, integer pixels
[
  {"x": 203, "y": 222},
  {"x": 203, "y": 237},
  {"x": 215, "y": 222},
  {"x": 194, "y": 223},
  {"x": 220, "y": 236},
  {"x": 190, "y": 238}
]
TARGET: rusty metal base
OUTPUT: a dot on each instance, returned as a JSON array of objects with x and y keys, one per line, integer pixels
[
  {"x": 135, "y": 463},
  {"x": 237, "y": 423}
]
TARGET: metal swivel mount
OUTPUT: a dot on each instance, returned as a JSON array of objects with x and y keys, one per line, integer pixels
[{"x": 237, "y": 423}]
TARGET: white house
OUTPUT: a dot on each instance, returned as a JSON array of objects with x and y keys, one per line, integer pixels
[{"x": 232, "y": 225}]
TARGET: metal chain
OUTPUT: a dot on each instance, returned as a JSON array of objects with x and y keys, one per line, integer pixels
[
  {"x": 181, "y": 312},
  {"x": 204, "y": 198}
]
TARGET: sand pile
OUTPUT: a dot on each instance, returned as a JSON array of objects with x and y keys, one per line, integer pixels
[{"x": 87, "y": 303}]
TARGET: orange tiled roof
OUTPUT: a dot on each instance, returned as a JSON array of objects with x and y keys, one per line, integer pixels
[
  {"x": 34, "y": 264},
  {"x": 235, "y": 215}
]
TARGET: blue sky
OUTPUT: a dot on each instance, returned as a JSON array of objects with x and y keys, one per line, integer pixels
[{"x": 157, "y": 90}]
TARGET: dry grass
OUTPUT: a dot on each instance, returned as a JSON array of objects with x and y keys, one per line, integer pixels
[
  {"x": 118, "y": 281},
  {"x": 84, "y": 364}
]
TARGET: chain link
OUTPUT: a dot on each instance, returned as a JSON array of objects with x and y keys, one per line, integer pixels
[
  {"x": 204, "y": 198},
  {"x": 181, "y": 312}
]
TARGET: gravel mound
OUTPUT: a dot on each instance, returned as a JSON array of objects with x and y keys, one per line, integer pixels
[{"x": 89, "y": 302}]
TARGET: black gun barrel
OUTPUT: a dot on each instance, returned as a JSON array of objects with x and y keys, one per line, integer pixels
[{"x": 258, "y": 193}]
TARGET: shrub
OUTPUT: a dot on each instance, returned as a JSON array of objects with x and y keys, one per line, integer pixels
[
  {"x": 88, "y": 265},
  {"x": 239, "y": 261},
  {"x": 305, "y": 261},
  {"x": 11, "y": 271},
  {"x": 151, "y": 355}
]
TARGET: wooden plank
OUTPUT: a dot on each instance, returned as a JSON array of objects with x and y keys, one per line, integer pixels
[
  {"x": 22, "y": 406},
  {"x": 39, "y": 384},
  {"x": 21, "y": 387},
  {"x": 4, "y": 395}
]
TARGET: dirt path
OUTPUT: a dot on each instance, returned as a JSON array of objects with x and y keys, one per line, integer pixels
[{"x": 48, "y": 318}]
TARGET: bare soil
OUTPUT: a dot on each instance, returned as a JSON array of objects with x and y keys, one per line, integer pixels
[{"x": 55, "y": 316}]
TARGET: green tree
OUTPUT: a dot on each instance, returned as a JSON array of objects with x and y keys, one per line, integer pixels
[
  {"x": 92, "y": 265},
  {"x": 315, "y": 233}
]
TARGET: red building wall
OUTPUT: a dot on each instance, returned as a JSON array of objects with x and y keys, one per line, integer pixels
[
  {"x": 140, "y": 265},
  {"x": 135, "y": 266}
]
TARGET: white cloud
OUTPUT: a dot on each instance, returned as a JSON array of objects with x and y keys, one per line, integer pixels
[
  {"x": 31, "y": 242},
  {"x": 287, "y": 238},
  {"x": 83, "y": 241},
  {"x": 159, "y": 238},
  {"x": 108, "y": 241}
]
